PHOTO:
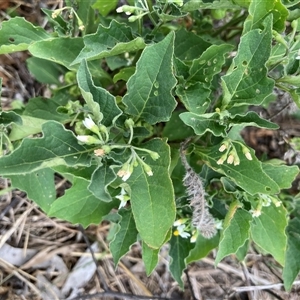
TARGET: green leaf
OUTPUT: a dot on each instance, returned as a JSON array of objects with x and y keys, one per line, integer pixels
[
  {"x": 188, "y": 45},
  {"x": 246, "y": 81},
  {"x": 179, "y": 251},
  {"x": 149, "y": 89},
  {"x": 281, "y": 174},
  {"x": 101, "y": 103},
  {"x": 124, "y": 74},
  {"x": 152, "y": 197},
  {"x": 58, "y": 146},
  {"x": 268, "y": 231},
  {"x": 259, "y": 10},
  {"x": 109, "y": 41},
  {"x": 204, "y": 123},
  {"x": 62, "y": 50},
  {"x": 100, "y": 180},
  {"x": 17, "y": 34},
  {"x": 252, "y": 119},
  {"x": 9, "y": 117},
  {"x": 235, "y": 231},
  {"x": 78, "y": 205},
  {"x": 175, "y": 129},
  {"x": 194, "y": 97},
  {"x": 198, "y": 4},
  {"x": 46, "y": 109},
  {"x": 28, "y": 127},
  {"x": 105, "y": 7},
  {"x": 209, "y": 64},
  {"x": 86, "y": 14},
  {"x": 202, "y": 248},
  {"x": 150, "y": 258},
  {"x": 292, "y": 257},
  {"x": 249, "y": 175},
  {"x": 125, "y": 237},
  {"x": 39, "y": 186},
  {"x": 44, "y": 71}
]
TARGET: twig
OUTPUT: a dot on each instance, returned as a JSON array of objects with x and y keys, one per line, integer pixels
[
  {"x": 122, "y": 296},
  {"x": 99, "y": 273},
  {"x": 190, "y": 284},
  {"x": 261, "y": 287}
]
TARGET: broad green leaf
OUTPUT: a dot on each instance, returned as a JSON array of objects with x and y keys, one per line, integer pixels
[
  {"x": 125, "y": 237},
  {"x": 8, "y": 117},
  {"x": 252, "y": 119},
  {"x": 28, "y": 127},
  {"x": 283, "y": 175},
  {"x": 149, "y": 89},
  {"x": 152, "y": 197},
  {"x": 61, "y": 50},
  {"x": 204, "y": 123},
  {"x": 290, "y": 3},
  {"x": 180, "y": 249},
  {"x": 248, "y": 175},
  {"x": 202, "y": 248},
  {"x": 78, "y": 205},
  {"x": 150, "y": 258},
  {"x": 46, "y": 109},
  {"x": 188, "y": 45},
  {"x": 292, "y": 257},
  {"x": 45, "y": 71},
  {"x": 86, "y": 14},
  {"x": 58, "y": 146},
  {"x": 102, "y": 104},
  {"x": 246, "y": 81},
  {"x": 39, "y": 187},
  {"x": 268, "y": 231},
  {"x": 124, "y": 74},
  {"x": 194, "y": 97},
  {"x": 209, "y": 64},
  {"x": 198, "y": 4},
  {"x": 236, "y": 229},
  {"x": 101, "y": 178},
  {"x": 17, "y": 34},
  {"x": 109, "y": 41},
  {"x": 243, "y": 251},
  {"x": 76, "y": 171},
  {"x": 105, "y": 7},
  {"x": 259, "y": 10},
  {"x": 175, "y": 129}
]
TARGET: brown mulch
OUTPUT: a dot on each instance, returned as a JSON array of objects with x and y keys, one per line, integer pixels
[{"x": 42, "y": 254}]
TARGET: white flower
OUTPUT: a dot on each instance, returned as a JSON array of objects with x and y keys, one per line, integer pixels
[
  {"x": 88, "y": 139},
  {"x": 181, "y": 231},
  {"x": 125, "y": 172},
  {"x": 255, "y": 213},
  {"x": 90, "y": 124},
  {"x": 123, "y": 197}
]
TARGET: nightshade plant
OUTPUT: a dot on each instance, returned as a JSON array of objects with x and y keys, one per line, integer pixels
[{"x": 147, "y": 104}]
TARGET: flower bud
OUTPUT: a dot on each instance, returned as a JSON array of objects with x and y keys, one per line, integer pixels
[
  {"x": 230, "y": 159},
  {"x": 154, "y": 155},
  {"x": 90, "y": 124},
  {"x": 88, "y": 139}
]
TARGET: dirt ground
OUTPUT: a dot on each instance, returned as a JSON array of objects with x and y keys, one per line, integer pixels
[{"x": 48, "y": 259}]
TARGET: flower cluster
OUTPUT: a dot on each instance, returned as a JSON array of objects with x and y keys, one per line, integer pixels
[
  {"x": 101, "y": 132},
  {"x": 263, "y": 200},
  {"x": 231, "y": 155}
]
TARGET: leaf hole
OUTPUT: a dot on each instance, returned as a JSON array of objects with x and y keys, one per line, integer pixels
[
  {"x": 11, "y": 39},
  {"x": 244, "y": 63},
  {"x": 268, "y": 189}
]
